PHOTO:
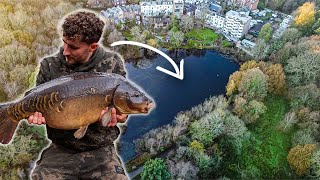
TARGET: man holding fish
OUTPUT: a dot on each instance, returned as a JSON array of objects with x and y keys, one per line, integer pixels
[{"x": 92, "y": 156}]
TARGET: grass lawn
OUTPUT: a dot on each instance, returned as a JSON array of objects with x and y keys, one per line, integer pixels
[
  {"x": 202, "y": 36},
  {"x": 226, "y": 43},
  {"x": 265, "y": 156}
]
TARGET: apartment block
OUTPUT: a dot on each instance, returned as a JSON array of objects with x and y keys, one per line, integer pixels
[
  {"x": 236, "y": 24},
  {"x": 156, "y": 8}
]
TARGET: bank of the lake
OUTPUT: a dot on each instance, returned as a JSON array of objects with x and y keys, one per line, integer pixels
[{"x": 206, "y": 74}]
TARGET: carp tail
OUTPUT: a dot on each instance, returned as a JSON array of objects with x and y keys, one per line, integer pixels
[{"x": 7, "y": 125}]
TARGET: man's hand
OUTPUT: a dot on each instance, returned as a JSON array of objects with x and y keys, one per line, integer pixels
[
  {"x": 115, "y": 118},
  {"x": 37, "y": 118}
]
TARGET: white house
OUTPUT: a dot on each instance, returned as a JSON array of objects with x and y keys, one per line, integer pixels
[
  {"x": 236, "y": 24},
  {"x": 214, "y": 20},
  {"x": 122, "y": 13},
  {"x": 156, "y": 8}
]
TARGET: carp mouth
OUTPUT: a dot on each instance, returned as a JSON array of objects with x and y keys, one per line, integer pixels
[
  {"x": 150, "y": 105},
  {"x": 128, "y": 101}
]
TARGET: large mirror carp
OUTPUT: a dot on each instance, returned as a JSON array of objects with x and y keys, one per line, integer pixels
[{"x": 74, "y": 102}]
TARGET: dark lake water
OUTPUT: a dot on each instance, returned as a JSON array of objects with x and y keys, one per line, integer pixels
[{"x": 206, "y": 74}]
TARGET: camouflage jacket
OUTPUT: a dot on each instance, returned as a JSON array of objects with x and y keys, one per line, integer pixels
[{"x": 96, "y": 136}]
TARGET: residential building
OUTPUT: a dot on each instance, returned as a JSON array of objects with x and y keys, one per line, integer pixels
[
  {"x": 194, "y": 2},
  {"x": 215, "y": 21},
  {"x": 236, "y": 24},
  {"x": 122, "y": 13},
  {"x": 119, "y": 2},
  {"x": 189, "y": 9},
  {"x": 215, "y": 8},
  {"x": 251, "y": 4},
  {"x": 178, "y": 6},
  {"x": 156, "y": 8},
  {"x": 283, "y": 26},
  {"x": 201, "y": 11}
]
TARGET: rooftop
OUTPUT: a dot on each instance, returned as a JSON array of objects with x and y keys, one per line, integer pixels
[{"x": 239, "y": 15}]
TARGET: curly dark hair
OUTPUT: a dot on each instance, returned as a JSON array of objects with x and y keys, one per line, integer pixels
[{"x": 86, "y": 25}]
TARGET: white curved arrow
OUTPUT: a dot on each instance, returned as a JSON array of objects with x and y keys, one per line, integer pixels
[{"x": 179, "y": 73}]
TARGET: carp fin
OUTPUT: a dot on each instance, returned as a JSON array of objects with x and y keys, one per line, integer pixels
[
  {"x": 7, "y": 126},
  {"x": 105, "y": 118},
  {"x": 81, "y": 132}
]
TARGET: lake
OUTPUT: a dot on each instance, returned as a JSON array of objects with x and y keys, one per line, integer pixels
[{"x": 206, "y": 74}]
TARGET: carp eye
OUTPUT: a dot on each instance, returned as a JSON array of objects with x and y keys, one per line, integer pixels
[{"x": 136, "y": 94}]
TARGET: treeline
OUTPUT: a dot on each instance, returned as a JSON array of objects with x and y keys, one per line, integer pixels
[
  {"x": 267, "y": 127},
  {"x": 286, "y": 6},
  {"x": 28, "y": 32},
  {"x": 195, "y": 133}
]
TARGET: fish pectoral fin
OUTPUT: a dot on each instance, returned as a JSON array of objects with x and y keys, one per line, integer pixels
[
  {"x": 81, "y": 132},
  {"x": 105, "y": 118}
]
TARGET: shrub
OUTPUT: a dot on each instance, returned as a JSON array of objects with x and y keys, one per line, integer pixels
[
  {"x": 207, "y": 128},
  {"x": 197, "y": 146},
  {"x": 250, "y": 111},
  {"x": 207, "y": 164},
  {"x": 155, "y": 169}
]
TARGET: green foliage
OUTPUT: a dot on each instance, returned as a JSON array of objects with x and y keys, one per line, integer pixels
[
  {"x": 176, "y": 38},
  {"x": 25, "y": 147},
  {"x": 226, "y": 43},
  {"x": 208, "y": 127},
  {"x": 207, "y": 165},
  {"x": 260, "y": 50},
  {"x": 266, "y": 32},
  {"x": 291, "y": 35},
  {"x": 235, "y": 127},
  {"x": 204, "y": 35},
  {"x": 276, "y": 45},
  {"x": 264, "y": 155},
  {"x": 303, "y": 137},
  {"x": 315, "y": 165},
  {"x": 155, "y": 169},
  {"x": 198, "y": 146},
  {"x": 261, "y": 4},
  {"x": 305, "y": 96},
  {"x": 253, "y": 85},
  {"x": 303, "y": 69},
  {"x": 248, "y": 111}
]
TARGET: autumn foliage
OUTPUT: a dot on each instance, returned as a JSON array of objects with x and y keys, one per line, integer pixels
[
  {"x": 276, "y": 78},
  {"x": 299, "y": 158},
  {"x": 305, "y": 14}
]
